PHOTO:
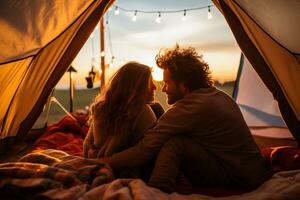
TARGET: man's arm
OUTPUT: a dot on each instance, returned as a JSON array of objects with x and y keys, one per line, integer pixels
[{"x": 177, "y": 120}]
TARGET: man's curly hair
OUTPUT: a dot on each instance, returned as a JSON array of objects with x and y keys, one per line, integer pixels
[{"x": 185, "y": 66}]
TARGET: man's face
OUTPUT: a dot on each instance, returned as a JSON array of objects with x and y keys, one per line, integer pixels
[{"x": 173, "y": 91}]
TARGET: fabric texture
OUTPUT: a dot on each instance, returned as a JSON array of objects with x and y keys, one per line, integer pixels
[
  {"x": 281, "y": 158},
  {"x": 283, "y": 185},
  {"x": 51, "y": 171},
  {"x": 105, "y": 144},
  {"x": 66, "y": 135}
]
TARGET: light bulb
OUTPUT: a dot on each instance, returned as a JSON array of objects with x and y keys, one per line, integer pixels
[
  {"x": 158, "y": 19},
  {"x": 111, "y": 64},
  {"x": 209, "y": 15},
  {"x": 134, "y": 16},
  {"x": 183, "y": 18},
  {"x": 117, "y": 12}
]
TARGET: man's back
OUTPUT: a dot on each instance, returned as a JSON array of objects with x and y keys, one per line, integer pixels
[{"x": 218, "y": 126}]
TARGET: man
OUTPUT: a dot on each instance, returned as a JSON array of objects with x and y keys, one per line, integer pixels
[{"x": 203, "y": 134}]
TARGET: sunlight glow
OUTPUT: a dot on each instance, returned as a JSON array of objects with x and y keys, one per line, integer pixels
[
  {"x": 141, "y": 40},
  {"x": 157, "y": 74}
]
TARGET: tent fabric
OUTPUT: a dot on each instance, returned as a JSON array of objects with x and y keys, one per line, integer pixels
[
  {"x": 27, "y": 26},
  {"x": 258, "y": 106},
  {"x": 52, "y": 36},
  {"x": 270, "y": 52},
  {"x": 40, "y": 38},
  {"x": 256, "y": 102}
]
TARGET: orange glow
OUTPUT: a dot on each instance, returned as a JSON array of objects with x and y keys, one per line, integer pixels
[{"x": 157, "y": 74}]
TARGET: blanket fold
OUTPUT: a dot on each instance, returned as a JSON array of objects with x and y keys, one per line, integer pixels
[{"x": 52, "y": 172}]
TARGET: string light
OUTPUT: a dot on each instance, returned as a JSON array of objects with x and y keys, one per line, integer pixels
[
  {"x": 209, "y": 15},
  {"x": 134, "y": 16},
  {"x": 117, "y": 12},
  {"x": 158, "y": 19},
  {"x": 111, "y": 64},
  {"x": 184, "y": 16}
]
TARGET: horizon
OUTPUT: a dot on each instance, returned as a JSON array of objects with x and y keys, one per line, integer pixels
[{"x": 141, "y": 40}]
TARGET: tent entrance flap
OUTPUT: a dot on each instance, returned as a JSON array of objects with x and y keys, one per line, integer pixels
[
  {"x": 28, "y": 90},
  {"x": 273, "y": 60},
  {"x": 257, "y": 104}
]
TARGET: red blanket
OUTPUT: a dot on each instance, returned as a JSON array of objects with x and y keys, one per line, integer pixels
[{"x": 66, "y": 135}]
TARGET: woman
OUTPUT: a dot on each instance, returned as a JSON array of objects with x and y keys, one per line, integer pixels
[{"x": 120, "y": 116}]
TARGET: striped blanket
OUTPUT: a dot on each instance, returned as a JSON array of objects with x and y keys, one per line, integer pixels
[{"x": 51, "y": 174}]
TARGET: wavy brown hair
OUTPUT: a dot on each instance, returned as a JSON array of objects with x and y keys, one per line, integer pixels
[
  {"x": 185, "y": 66},
  {"x": 120, "y": 103}
]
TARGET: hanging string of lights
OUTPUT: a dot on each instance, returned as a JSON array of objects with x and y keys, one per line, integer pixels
[
  {"x": 109, "y": 40},
  {"x": 159, "y": 13},
  {"x": 158, "y": 20}
]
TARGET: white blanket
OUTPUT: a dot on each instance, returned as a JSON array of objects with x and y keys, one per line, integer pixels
[{"x": 283, "y": 185}]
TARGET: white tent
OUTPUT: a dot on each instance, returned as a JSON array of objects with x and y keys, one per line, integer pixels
[
  {"x": 258, "y": 106},
  {"x": 40, "y": 38}
]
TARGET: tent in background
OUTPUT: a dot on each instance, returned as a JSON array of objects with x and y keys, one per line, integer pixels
[
  {"x": 38, "y": 41},
  {"x": 268, "y": 34},
  {"x": 258, "y": 106}
]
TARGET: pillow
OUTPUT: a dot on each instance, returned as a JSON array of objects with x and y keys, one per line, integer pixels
[{"x": 281, "y": 158}]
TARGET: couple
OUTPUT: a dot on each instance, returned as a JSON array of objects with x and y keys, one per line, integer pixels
[{"x": 203, "y": 135}]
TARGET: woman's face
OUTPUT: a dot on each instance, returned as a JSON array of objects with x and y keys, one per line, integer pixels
[{"x": 151, "y": 88}]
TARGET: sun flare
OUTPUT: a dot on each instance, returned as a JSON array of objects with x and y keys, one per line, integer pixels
[{"x": 157, "y": 74}]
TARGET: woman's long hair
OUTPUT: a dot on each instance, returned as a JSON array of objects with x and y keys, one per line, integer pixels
[{"x": 119, "y": 105}]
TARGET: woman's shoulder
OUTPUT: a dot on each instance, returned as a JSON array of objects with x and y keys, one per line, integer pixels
[
  {"x": 157, "y": 109},
  {"x": 146, "y": 114},
  {"x": 144, "y": 120}
]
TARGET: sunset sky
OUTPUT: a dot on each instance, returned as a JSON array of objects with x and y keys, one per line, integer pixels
[{"x": 141, "y": 40}]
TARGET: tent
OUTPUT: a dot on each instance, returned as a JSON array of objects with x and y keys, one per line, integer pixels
[
  {"x": 257, "y": 104},
  {"x": 39, "y": 39},
  {"x": 267, "y": 33}
]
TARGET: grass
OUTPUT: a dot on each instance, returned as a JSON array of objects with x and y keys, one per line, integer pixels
[{"x": 83, "y": 98}]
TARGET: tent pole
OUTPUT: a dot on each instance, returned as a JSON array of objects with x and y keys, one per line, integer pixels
[
  {"x": 71, "y": 91},
  {"x": 102, "y": 54}
]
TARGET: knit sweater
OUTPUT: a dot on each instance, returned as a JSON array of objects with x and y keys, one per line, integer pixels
[{"x": 105, "y": 144}]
